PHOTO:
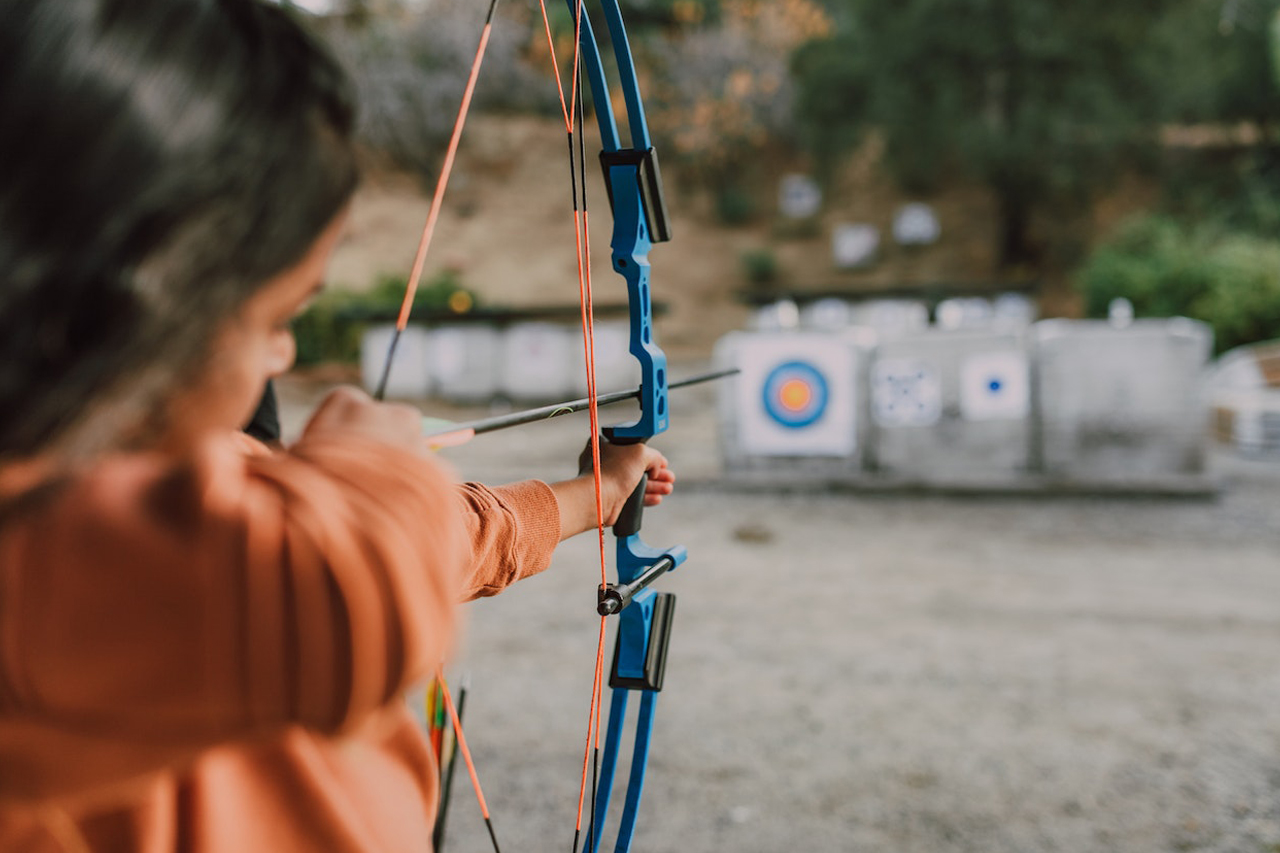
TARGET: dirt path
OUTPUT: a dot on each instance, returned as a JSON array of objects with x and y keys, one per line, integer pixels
[{"x": 891, "y": 673}]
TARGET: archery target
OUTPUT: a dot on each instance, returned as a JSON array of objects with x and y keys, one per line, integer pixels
[
  {"x": 995, "y": 386},
  {"x": 795, "y": 395},
  {"x": 905, "y": 392}
]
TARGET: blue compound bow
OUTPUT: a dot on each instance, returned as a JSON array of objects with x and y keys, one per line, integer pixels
[
  {"x": 640, "y": 219},
  {"x": 634, "y": 185}
]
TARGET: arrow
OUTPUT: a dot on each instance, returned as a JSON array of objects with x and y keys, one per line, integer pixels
[{"x": 456, "y": 434}]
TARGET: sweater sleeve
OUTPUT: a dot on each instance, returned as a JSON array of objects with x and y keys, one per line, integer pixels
[
  {"x": 149, "y": 610},
  {"x": 513, "y": 531}
]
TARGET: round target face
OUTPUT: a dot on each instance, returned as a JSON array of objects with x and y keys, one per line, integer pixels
[
  {"x": 995, "y": 386},
  {"x": 795, "y": 394}
]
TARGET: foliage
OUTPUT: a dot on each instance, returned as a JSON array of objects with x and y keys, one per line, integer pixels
[
  {"x": 1243, "y": 304},
  {"x": 1273, "y": 43},
  {"x": 410, "y": 73},
  {"x": 444, "y": 292},
  {"x": 720, "y": 96},
  {"x": 331, "y": 328},
  {"x": 324, "y": 334},
  {"x": 1215, "y": 63},
  {"x": 735, "y": 204},
  {"x": 1154, "y": 263},
  {"x": 833, "y": 99},
  {"x": 1040, "y": 99},
  {"x": 760, "y": 267},
  {"x": 1239, "y": 191},
  {"x": 669, "y": 13},
  {"x": 714, "y": 72},
  {"x": 1231, "y": 281}
]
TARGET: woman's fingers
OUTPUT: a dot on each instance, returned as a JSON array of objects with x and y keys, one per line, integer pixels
[{"x": 661, "y": 483}]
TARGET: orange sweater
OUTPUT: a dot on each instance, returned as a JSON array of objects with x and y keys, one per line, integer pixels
[{"x": 210, "y": 656}]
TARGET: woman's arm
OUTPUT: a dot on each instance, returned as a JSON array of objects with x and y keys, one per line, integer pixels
[{"x": 150, "y": 609}]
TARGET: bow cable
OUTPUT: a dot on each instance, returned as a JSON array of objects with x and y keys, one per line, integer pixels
[
  {"x": 589, "y": 332},
  {"x": 573, "y": 110}
]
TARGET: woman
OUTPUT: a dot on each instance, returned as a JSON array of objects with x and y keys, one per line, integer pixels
[{"x": 203, "y": 643}]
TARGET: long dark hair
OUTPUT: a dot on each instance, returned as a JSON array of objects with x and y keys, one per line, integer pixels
[{"x": 159, "y": 161}]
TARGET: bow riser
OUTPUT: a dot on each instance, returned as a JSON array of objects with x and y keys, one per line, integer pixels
[
  {"x": 631, "y": 260},
  {"x": 634, "y": 184}
]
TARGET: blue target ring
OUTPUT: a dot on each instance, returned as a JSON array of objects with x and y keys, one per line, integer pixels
[{"x": 795, "y": 394}]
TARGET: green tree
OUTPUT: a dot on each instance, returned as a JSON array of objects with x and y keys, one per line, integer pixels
[
  {"x": 1214, "y": 59},
  {"x": 1224, "y": 81},
  {"x": 1041, "y": 100}
]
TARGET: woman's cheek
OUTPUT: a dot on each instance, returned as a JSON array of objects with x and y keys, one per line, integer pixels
[{"x": 280, "y": 353}]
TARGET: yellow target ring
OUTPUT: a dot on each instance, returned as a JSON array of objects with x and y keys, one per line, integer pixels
[{"x": 795, "y": 395}]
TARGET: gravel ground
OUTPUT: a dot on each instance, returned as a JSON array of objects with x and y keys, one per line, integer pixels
[{"x": 899, "y": 673}]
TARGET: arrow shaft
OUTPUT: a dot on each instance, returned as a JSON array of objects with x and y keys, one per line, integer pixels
[{"x": 555, "y": 410}]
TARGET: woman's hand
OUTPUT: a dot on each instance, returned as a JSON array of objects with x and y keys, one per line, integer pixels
[
  {"x": 621, "y": 467},
  {"x": 349, "y": 411}
]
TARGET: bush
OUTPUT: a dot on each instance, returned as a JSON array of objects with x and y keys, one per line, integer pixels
[
  {"x": 1240, "y": 190},
  {"x": 1232, "y": 282},
  {"x": 444, "y": 292},
  {"x": 761, "y": 267},
  {"x": 330, "y": 330},
  {"x": 1154, "y": 263},
  {"x": 734, "y": 205},
  {"x": 324, "y": 335},
  {"x": 1243, "y": 302},
  {"x": 719, "y": 93}
]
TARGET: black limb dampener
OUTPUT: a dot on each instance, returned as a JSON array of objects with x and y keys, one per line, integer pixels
[
  {"x": 655, "y": 659},
  {"x": 653, "y": 199}
]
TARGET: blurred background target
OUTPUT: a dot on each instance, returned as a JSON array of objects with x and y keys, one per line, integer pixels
[{"x": 795, "y": 394}]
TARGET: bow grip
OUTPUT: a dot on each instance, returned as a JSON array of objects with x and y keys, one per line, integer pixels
[{"x": 631, "y": 515}]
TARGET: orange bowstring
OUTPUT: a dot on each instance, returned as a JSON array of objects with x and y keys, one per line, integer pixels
[
  {"x": 555, "y": 64},
  {"x": 437, "y": 198},
  {"x": 582, "y": 233}
]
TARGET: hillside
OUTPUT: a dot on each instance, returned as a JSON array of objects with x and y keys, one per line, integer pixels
[{"x": 507, "y": 226}]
